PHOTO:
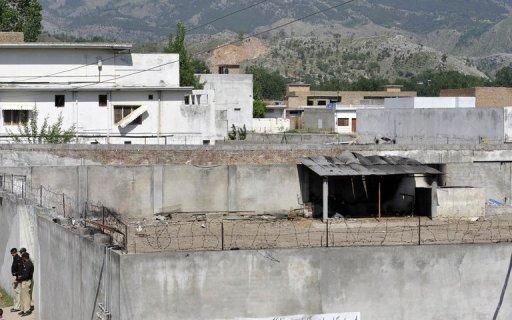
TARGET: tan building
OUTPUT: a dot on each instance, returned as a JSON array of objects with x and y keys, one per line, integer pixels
[
  {"x": 299, "y": 95},
  {"x": 485, "y": 96},
  {"x": 11, "y": 37}
]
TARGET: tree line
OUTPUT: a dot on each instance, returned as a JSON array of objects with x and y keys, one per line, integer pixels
[{"x": 22, "y": 16}]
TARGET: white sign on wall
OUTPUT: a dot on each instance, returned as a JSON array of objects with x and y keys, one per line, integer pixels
[{"x": 330, "y": 316}]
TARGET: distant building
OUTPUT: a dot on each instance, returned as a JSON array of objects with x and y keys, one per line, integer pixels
[
  {"x": 108, "y": 93},
  {"x": 299, "y": 95},
  {"x": 485, "y": 96}
]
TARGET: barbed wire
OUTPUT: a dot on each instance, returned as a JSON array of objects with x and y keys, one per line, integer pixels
[
  {"x": 246, "y": 235},
  {"x": 81, "y": 213}
]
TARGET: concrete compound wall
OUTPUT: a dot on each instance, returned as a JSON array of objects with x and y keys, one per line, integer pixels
[
  {"x": 416, "y": 282},
  {"x": 70, "y": 270},
  {"x": 145, "y": 190},
  {"x": 460, "y": 203},
  {"x": 433, "y": 125}
]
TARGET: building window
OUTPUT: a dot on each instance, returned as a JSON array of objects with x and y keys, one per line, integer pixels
[
  {"x": 238, "y": 109},
  {"x": 102, "y": 100},
  {"x": 343, "y": 122},
  {"x": 60, "y": 100},
  {"x": 322, "y": 102},
  {"x": 121, "y": 112},
  {"x": 187, "y": 100},
  {"x": 223, "y": 70},
  {"x": 206, "y": 142},
  {"x": 310, "y": 102},
  {"x": 150, "y": 97},
  {"x": 15, "y": 117}
]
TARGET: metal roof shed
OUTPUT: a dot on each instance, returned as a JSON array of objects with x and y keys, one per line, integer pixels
[{"x": 354, "y": 164}]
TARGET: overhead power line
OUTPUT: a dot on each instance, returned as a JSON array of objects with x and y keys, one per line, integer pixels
[
  {"x": 224, "y": 45},
  {"x": 189, "y": 29}
]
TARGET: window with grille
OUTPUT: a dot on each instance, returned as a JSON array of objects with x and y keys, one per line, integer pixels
[
  {"x": 15, "y": 117},
  {"x": 121, "y": 112}
]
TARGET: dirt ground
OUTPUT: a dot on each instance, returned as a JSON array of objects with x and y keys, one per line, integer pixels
[{"x": 208, "y": 233}]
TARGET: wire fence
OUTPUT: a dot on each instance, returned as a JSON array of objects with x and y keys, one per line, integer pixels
[
  {"x": 86, "y": 214},
  {"x": 306, "y": 233}
]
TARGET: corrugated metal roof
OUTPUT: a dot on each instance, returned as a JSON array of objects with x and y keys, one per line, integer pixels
[{"x": 355, "y": 164}]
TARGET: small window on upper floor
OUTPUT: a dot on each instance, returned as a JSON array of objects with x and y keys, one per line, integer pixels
[
  {"x": 60, "y": 100},
  {"x": 238, "y": 109},
  {"x": 150, "y": 97},
  {"x": 187, "y": 100},
  {"x": 102, "y": 100}
]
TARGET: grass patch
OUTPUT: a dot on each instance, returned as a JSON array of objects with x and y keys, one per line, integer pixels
[{"x": 5, "y": 299}]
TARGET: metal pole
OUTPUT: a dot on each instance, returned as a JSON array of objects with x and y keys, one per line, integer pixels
[
  {"x": 325, "y": 201},
  {"x": 103, "y": 219},
  {"x": 419, "y": 230},
  {"x": 222, "y": 234},
  {"x": 327, "y": 233},
  {"x": 380, "y": 200},
  {"x": 64, "y": 204}
]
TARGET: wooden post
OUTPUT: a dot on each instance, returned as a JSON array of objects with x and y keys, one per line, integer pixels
[
  {"x": 325, "y": 203},
  {"x": 380, "y": 200}
]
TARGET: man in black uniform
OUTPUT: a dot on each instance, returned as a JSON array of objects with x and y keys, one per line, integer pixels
[
  {"x": 15, "y": 271},
  {"x": 25, "y": 278}
]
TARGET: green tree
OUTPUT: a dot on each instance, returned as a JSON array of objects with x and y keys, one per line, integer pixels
[
  {"x": 267, "y": 84},
  {"x": 30, "y": 12},
  {"x": 504, "y": 77},
  {"x": 259, "y": 109},
  {"x": 176, "y": 44},
  {"x": 200, "y": 67},
  {"x": 30, "y": 131},
  {"x": 22, "y": 16}
]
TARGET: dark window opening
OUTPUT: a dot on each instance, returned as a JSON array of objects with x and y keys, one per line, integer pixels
[
  {"x": 102, "y": 100},
  {"x": 127, "y": 142},
  {"x": 310, "y": 102},
  {"x": 60, "y": 100},
  {"x": 206, "y": 142},
  {"x": 15, "y": 117},
  {"x": 121, "y": 112},
  {"x": 322, "y": 103},
  {"x": 238, "y": 109},
  {"x": 150, "y": 97},
  {"x": 187, "y": 100},
  {"x": 343, "y": 122}
]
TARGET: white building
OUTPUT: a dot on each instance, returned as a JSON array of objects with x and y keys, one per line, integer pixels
[
  {"x": 233, "y": 100},
  {"x": 430, "y": 102},
  {"x": 108, "y": 93}
]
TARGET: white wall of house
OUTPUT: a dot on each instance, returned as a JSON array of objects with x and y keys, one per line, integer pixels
[
  {"x": 24, "y": 64},
  {"x": 233, "y": 100},
  {"x": 430, "y": 102},
  {"x": 167, "y": 119}
]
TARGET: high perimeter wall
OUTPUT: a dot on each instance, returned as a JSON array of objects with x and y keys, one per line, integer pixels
[
  {"x": 399, "y": 283},
  {"x": 142, "y": 191},
  {"x": 429, "y": 126}
]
